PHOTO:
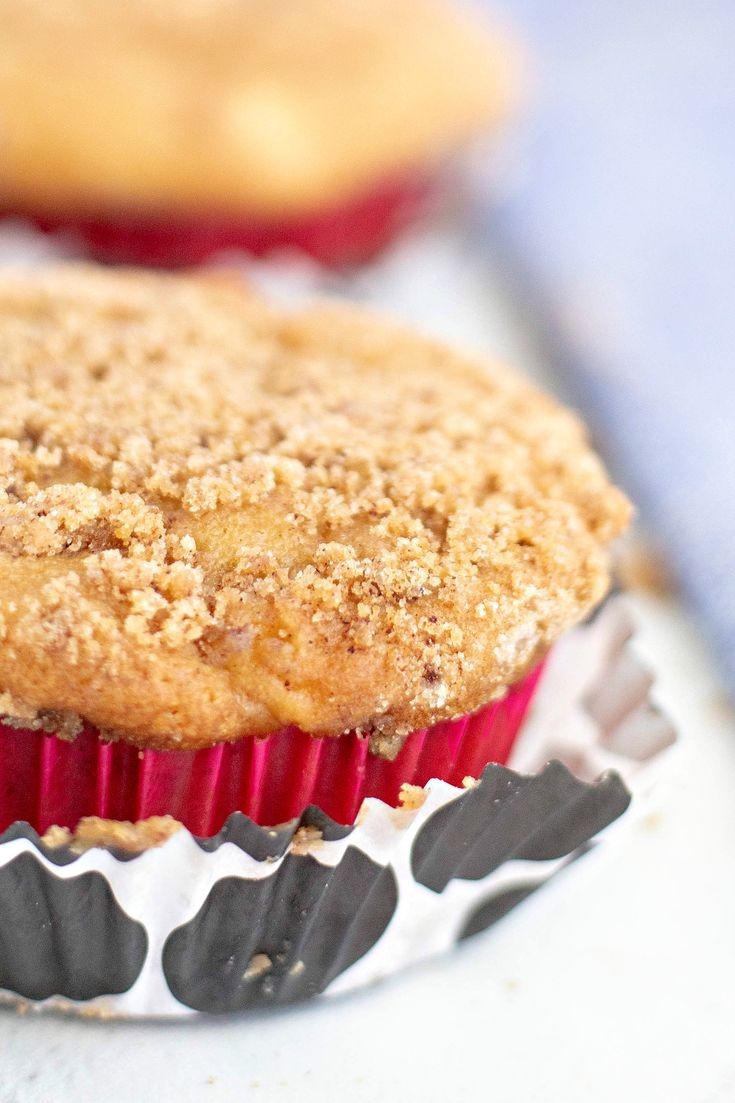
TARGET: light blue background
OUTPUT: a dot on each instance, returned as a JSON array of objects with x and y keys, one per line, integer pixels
[{"x": 620, "y": 223}]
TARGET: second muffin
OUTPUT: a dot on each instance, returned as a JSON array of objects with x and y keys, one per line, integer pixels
[{"x": 162, "y": 132}]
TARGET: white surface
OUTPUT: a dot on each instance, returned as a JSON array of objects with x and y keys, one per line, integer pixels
[{"x": 616, "y": 982}]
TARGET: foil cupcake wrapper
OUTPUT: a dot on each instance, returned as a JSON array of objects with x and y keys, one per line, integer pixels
[
  {"x": 339, "y": 236},
  {"x": 50, "y": 781},
  {"x": 256, "y": 917}
]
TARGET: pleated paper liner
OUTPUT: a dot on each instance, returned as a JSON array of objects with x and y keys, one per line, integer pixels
[
  {"x": 255, "y": 916},
  {"x": 49, "y": 781},
  {"x": 347, "y": 234}
]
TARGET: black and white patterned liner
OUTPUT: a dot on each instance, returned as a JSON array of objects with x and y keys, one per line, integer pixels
[{"x": 256, "y": 917}]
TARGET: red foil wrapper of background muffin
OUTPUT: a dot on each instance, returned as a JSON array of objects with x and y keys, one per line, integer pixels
[{"x": 349, "y": 233}]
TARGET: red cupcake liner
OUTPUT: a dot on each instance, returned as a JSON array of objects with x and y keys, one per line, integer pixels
[
  {"x": 346, "y": 234},
  {"x": 45, "y": 780}
]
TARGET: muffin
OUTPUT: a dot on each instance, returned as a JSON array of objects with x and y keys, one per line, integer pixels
[
  {"x": 298, "y": 569},
  {"x": 221, "y": 521},
  {"x": 164, "y": 132}
]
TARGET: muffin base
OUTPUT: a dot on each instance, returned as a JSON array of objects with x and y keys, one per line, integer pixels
[
  {"x": 255, "y": 917},
  {"x": 49, "y": 781}
]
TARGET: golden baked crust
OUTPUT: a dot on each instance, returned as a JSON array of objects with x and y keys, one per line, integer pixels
[
  {"x": 247, "y": 106},
  {"x": 220, "y": 518}
]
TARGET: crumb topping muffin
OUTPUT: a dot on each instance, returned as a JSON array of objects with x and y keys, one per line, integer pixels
[
  {"x": 219, "y": 518},
  {"x": 234, "y": 105}
]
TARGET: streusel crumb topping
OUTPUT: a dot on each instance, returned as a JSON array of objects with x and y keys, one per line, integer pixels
[{"x": 218, "y": 518}]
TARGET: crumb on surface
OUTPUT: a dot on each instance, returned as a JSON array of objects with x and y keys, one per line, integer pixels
[
  {"x": 652, "y": 821},
  {"x": 306, "y": 839},
  {"x": 411, "y": 797},
  {"x": 94, "y": 831},
  {"x": 258, "y": 965}
]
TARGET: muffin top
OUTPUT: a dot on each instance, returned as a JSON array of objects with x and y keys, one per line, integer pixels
[
  {"x": 239, "y": 106},
  {"x": 220, "y": 518}
]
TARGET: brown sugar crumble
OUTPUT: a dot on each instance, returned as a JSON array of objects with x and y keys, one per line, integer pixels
[
  {"x": 218, "y": 518},
  {"x": 94, "y": 831}
]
